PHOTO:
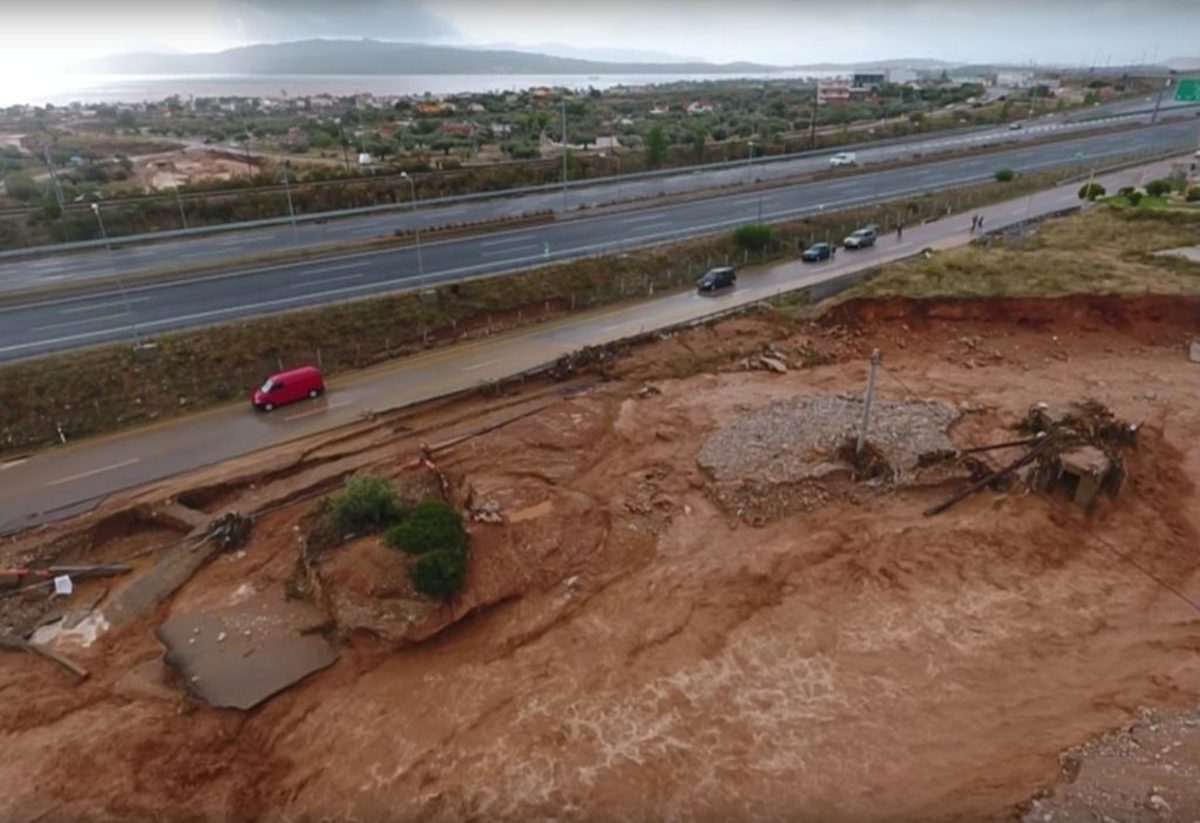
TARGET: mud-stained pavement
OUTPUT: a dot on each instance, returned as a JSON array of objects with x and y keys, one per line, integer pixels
[{"x": 628, "y": 645}]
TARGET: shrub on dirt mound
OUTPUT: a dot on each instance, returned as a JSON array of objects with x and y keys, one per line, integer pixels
[
  {"x": 432, "y": 525},
  {"x": 1090, "y": 191},
  {"x": 369, "y": 502},
  {"x": 1193, "y": 194},
  {"x": 439, "y": 573},
  {"x": 1159, "y": 188},
  {"x": 754, "y": 236}
]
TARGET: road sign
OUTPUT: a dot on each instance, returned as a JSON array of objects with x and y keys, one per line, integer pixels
[{"x": 1188, "y": 90}]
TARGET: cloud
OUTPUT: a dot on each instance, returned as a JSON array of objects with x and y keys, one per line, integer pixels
[{"x": 276, "y": 20}]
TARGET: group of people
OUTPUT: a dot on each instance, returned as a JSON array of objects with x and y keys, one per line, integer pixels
[{"x": 976, "y": 223}]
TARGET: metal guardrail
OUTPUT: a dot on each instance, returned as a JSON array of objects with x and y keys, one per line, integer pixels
[{"x": 199, "y": 231}]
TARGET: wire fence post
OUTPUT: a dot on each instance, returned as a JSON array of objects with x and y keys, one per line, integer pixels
[{"x": 868, "y": 400}]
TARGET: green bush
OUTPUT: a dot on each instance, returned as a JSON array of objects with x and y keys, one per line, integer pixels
[
  {"x": 439, "y": 573},
  {"x": 1005, "y": 175},
  {"x": 1159, "y": 188},
  {"x": 1125, "y": 191},
  {"x": 753, "y": 236},
  {"x": 1090, "y": 191},
  {"x": 1134, "y": 197},
  {"x": 369, "y": 502},
  {"x": 1193, "y": 194},
  {"x": 432, "y": 525}
]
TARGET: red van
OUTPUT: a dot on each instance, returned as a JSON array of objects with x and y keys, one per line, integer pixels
[{"x": 288, "y": 387}]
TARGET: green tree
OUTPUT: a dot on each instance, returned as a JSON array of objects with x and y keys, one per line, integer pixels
[
  {"x": 1005, "y": 175},
  {"x": 656, "y": 147},
  {"x": 1090, "y": 191},
  {"x": 20, "y": 186},
  {"x": 432, "y": 525},
  {"x": 1159, "y": 188},
  {"x": 753, "y": 236},
  {"x": 439, "y": 573},
  {"x": 368, "y": 502}
]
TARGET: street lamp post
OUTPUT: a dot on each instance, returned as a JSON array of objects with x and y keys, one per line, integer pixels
[
  {"x": 100, "y": 222},
  {"x": 416, "y": 226},
  {"x": 179, "y": 202},
  {"x": 616, "y": 157},
  {"x": 345, "y": 150},
  {"x": 564, "y": 145},
  {"x": 137, "y": 337},
  {"x": 750, "y": 161},
  {"x": 287, "y": 190}
]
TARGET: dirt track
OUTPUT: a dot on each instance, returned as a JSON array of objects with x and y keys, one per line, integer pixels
[{"x": 638, "y": 651}]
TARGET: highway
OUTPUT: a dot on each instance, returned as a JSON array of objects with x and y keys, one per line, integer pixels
[
  {"x": 235, "y": 242},
  {"x": 60, "y": 481},
  {"x": 109, "y": 314}
]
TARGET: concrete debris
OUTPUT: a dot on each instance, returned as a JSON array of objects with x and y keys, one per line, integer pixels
[
  {"x": 773, "y": 364},
  {"x": 489, "y": 512},
  {"x": 788, "y": 441},
  {"x": 239, "y": 656},
  {"x": 1194, "y": 351}
]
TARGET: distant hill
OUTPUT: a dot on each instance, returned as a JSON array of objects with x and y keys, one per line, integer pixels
[
  {"x": 378, "y": 57},
  {"x": 1183, "y": 63},
  {"x": 914, "y": 63}
]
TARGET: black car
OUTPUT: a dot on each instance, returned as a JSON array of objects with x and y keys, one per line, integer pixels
[
  {"x": 817, "y": 251},
  {"x": 719, "y": 278}
]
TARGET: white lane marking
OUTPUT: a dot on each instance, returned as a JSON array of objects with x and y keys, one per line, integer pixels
[
  {"x": 405, "y": 280},
  {"x": 508, "y": 250},
  {"x": 311, "y": 412},
  {"x": 616, "y": 326},
  {"x": 230, "y": 241},
  {"x": 482, "y": 365},
  {"x": 645, "y": 218},
  {"x": 13, "y": 464},
  {"x": 325, "y": 280},
  {"x": 518, "y": 238},
  {"x": 109, "y": 305},
  {"x": 82, "y": 475},
  {"x": 342, "y": 267},
  {"x": 82, "y": 322}
]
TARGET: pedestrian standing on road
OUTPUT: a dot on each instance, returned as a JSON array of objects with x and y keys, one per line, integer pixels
[
  {"x": 899, "y": 231},
  {"x": 981, "y": 222},
  {"x": 974, "y": 220}
]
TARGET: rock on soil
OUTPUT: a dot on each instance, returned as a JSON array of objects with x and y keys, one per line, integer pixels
[
  {"x": 795, "y": 439},
  {"x": 1148, "y": 770}
]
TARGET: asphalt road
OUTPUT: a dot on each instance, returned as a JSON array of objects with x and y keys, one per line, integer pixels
[
  {"x": 214, "y": 249},
  {"x": 61, "y": 481},
  {"x": 111, "y": 314}
]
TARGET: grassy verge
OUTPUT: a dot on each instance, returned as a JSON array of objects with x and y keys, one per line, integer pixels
[
  {"x": 1105, "y": 251},
  {"x": 106, "y": 388}
]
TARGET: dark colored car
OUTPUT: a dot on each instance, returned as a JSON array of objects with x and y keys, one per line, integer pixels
[
  {"x": 720, "y": 278},
  {"x": 817, "y": 251}
]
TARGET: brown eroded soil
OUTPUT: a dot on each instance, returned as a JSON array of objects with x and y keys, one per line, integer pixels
[{"x": 627, "y": 648}]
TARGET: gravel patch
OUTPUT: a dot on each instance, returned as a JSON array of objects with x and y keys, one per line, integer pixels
[{"x": 795, "y": 439}]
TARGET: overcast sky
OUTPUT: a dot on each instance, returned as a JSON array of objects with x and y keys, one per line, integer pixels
[{"x": 43, "y": 34}]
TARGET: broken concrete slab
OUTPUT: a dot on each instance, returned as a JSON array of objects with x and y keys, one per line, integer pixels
[
  {"x": 177, "y": 516},
  {"x": 175, "y": 566},
  {"x": 239, "y": 656},
  {"x": 1194, "y": 351}
]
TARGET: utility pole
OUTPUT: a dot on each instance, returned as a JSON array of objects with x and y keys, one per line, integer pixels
[
  {"x": 564, "y": 146},
  {"x": 868, "y": 400},
  {"x": 345, "y": 150}
]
